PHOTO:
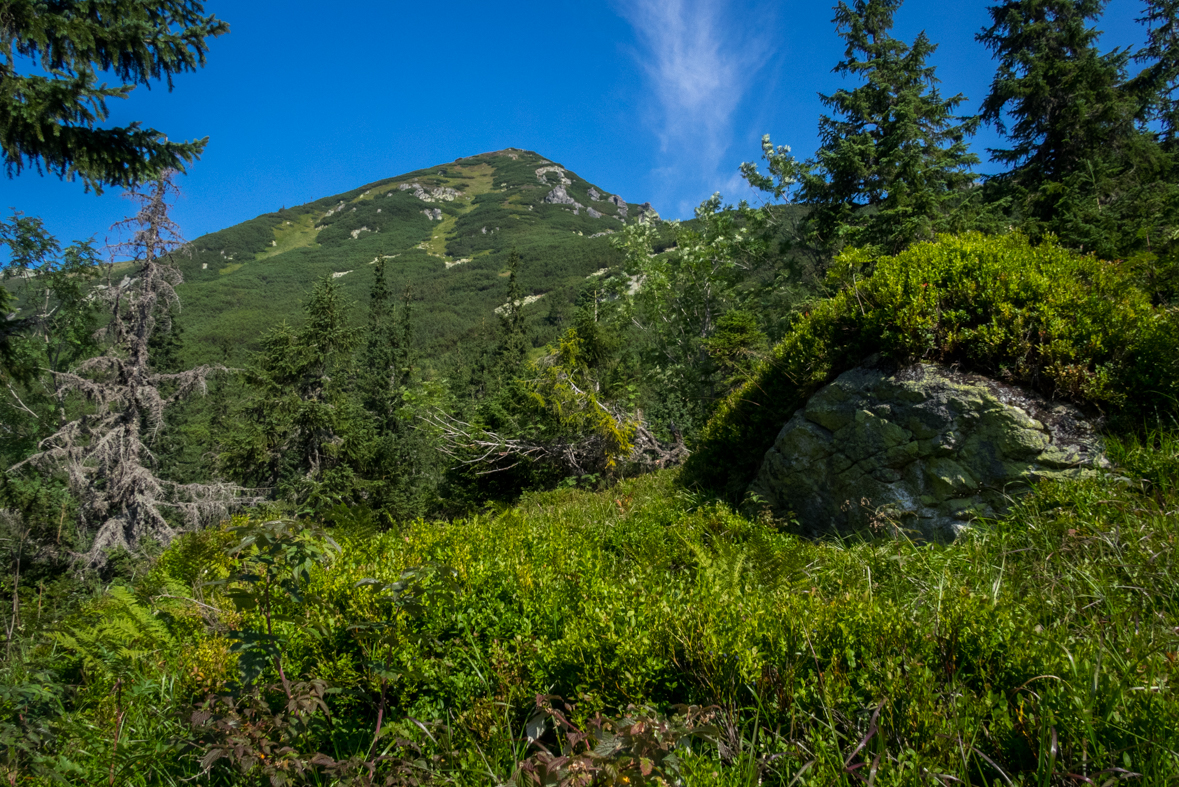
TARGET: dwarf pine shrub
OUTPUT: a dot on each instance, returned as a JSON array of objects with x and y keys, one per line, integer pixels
[{"x": 1070, "y": 326}]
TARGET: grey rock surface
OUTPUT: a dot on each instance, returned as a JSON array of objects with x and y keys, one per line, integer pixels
[
  {"x": 593, "y": 214},
  {"x": 595, "y": 195},
  {"x": 558, "y": 196},
  {"x": 924, "y": 448},
  {"x": 619, "y": 203},
  {"x": 440, "y": 194}
]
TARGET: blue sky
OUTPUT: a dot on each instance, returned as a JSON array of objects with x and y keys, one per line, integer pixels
[{"x": 657, "y": 100}]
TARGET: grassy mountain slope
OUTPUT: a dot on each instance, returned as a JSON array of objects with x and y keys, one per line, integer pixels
[{"x": 243, "y": 280}]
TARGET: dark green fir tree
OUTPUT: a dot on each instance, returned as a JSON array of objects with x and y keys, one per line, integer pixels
[
  {"x": 1159, "y": 81},
  {"x": 1081, "y": 164},
  {"x": 401, "y": 465},
  {"x": 378, "y": 367},
  {"x": 1055, "y": 96},
  {"x": 1155, "y": 214},
  {"x": 302, "y": 431},
  {"x": 503, "y": 360},
  {"x": 53, "y": 106},
  {"x": 893, "y": 159},
  {"x": 512, "y": 348}
]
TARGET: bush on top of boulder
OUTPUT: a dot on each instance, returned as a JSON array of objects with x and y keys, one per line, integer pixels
[{"x": 1070, "y": 326}]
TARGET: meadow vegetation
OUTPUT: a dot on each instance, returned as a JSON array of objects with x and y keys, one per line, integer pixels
[
  {"x": 1039, "y": 644},
  {"x": 463, "y": 550}
]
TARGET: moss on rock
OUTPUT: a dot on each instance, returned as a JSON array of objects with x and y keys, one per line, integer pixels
[{"x": 922, "y": 448}]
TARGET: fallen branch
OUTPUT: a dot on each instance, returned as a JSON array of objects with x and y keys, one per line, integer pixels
[{"x": 491, "y": 452}]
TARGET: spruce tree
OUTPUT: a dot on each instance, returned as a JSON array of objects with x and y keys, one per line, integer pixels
[
  {"x": 894, "y": 158},
  {"x": 379, "y": 372},
  {"x": 500, "y": 399},
  {"x": 513, "y": 346},
  {"x": 303, "y": 433},
  {"x": 1054, "y": 95},
  {"x": 1158, "y": 83},
  {"x": 53, "y": 116},
  {"x": 1154, "y": 220},
  {"x": 1082, "y": 165},
  {"x": 400, "y": 465}
]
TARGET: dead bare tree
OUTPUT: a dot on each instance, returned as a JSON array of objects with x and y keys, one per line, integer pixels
[{"x": 105, "y": 452}]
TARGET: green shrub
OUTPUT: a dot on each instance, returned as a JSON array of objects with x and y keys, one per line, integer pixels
[
  {"x": 1071, "y": 326},
  {"x": 1035, "y": 647}
]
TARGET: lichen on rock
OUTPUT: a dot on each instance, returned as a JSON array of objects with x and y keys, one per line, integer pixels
[{"x": 923, "y": 448}]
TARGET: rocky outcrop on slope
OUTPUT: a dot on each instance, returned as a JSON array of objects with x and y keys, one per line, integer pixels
[
  {"x": 619, "y": 203},
  {"x": 440, "y": 194},
  {"x": 558, "y": 196},
  {"x": 646, "y": 214},
  {"x": 542, "y": 175},
  {"x": 923, "y": 449}
]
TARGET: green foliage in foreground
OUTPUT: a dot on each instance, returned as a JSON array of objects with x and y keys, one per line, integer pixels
[
  {"x": 1037, "y": 646},
  {"x": 1071, "y": 326}
]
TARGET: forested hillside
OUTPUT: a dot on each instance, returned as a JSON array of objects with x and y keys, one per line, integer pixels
[
  {"x": 447, "y": 479},
  {"x": 445, "y": 232}
]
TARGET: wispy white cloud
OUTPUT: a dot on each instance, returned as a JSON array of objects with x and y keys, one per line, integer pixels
[{"x": 701, "y": 59}]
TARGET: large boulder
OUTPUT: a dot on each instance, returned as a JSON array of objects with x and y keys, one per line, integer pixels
[{"x": 923, "y": 448}]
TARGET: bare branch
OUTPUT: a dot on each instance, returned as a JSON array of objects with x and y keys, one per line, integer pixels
[
  {"x": 481, "y": 448},
  {"x": 20, "y": 405}
]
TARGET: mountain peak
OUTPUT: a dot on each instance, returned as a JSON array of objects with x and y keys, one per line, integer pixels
[{"x": 445, "y": 230}]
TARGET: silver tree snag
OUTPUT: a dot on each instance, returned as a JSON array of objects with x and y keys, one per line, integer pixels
[{"x": 105, "y": 452}]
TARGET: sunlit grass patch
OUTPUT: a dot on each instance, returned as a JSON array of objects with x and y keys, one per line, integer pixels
[{"x": 289, "y": 235}]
